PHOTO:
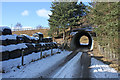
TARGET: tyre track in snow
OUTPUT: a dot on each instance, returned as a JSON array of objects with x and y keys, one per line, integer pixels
[
  {"x": 79, "y": 62},
  {"x": 55, "y": 68},
  {"x": 77, "y": 67},
  {"x": 85, "y": 62},
  {"x": 70, "y": 69}
]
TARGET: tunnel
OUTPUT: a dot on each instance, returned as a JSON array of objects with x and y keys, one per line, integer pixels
[{"x": 76, "y": 44}]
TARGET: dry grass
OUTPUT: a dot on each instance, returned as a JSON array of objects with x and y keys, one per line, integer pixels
[
  {"x": 99, "y": 56},
  {"x": 31, "y": 32}
]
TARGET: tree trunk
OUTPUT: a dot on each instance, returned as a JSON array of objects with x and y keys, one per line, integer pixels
[
  {"x": 57, "y": 32},
  {"x": 64, "y": 35},
  {"x": 70, "y": 29}
]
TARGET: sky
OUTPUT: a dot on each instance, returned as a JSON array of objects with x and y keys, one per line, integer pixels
[{"x": 29, "y": 14}]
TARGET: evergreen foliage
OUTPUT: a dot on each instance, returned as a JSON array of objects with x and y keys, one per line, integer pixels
[
  {"x": 104, "y": 15},
  {"x": 65, "y": 15}
]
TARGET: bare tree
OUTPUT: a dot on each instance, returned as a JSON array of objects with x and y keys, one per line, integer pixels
[
  {"x": 18, "y": 26},
  {"x": 38, "y": 27}
]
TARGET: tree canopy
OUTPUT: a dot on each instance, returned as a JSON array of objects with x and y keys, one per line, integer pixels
[{"x": 65, "y": 15}]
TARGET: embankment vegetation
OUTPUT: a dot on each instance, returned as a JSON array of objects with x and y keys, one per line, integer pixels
[{"x": 102, "y": 16}]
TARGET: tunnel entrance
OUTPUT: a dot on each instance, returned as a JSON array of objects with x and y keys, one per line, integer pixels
[{"x": 81, "y": 40}]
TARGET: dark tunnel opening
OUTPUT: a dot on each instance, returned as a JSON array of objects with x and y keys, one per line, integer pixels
[{"x": 76, "y": 44}]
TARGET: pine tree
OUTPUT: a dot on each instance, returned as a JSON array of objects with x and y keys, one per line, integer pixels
[
  {"x": 104, "y": 15},
  {"x": 65, "y": 15}
]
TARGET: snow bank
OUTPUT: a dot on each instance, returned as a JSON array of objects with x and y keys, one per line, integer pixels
[
  {"x": 12, "y": 47},
  {"x": 31, "y": 70},
  {"x": 12, "y": 37},
  {"x": 100, "y": 70},
  {"x": 8, "y": 64}
]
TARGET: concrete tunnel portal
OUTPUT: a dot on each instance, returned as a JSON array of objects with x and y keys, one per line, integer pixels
[{"x": 76, "y": 44}]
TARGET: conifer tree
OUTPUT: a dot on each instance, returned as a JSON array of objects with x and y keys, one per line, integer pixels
[{"x": 65, "y": 15}]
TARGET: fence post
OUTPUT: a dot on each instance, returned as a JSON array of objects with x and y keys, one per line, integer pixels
[
  {"x": 58, "y": 51},
  {"x": 51, "y": 51},
  {"x": 22, "y": 57},
  {"x": 41, "y": 54}
]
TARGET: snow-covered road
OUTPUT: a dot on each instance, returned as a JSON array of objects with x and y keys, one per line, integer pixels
[
  {"x": 64, "y": 65},
  {"x": 71, "y": 69},
  {"x": 32, "y": 70},
  {"x": 82, "y": 66}
]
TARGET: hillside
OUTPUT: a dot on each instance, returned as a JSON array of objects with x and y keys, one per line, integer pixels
[{"x": 31, "y": 32}]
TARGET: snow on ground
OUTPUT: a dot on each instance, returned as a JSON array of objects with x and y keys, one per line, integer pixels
[
  {"x": 0, "y": 73},
  {"x": 29, "y": 37},
  {"x": 12, "y": 47},
  {"x": 13, "y": 63},
  {"x": 83, "y": 43},
  {"x": 100, "y": 70},
  {"x": 4, "y": 27},
  {"x": 35, "y": 38},
  {"x": 73, "y": 33},
  {"x": 9, "y": 37},
  {"x": 30, "y": 70},
  {"x": 71, "y": 69},
  {"x": 39, "y": 33}
]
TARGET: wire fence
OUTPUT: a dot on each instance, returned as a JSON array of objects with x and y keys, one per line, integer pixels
[{"x": 24, "y": 29}]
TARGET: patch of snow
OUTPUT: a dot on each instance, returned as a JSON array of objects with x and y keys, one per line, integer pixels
[
  {"x": 84, "y": 43},
  {"x": 27, "y": 27},
  {"x": 48, "y": 37},
  {"x": 33, "y": 44},
  {"x": 26, "y": 36},
  {"x": 100, "y": 70},
  {"x": 31, "y": 70},
  {"x": 92, "y": 45},
  {"x": 4, "y": 27},
  {"x": 30, "y": 37},
  {"x": 12, "y": 47},
  {"x": 35, "y": 38},
  {"x": 42, "y": 44},
  {"x": 88, "y": 30},
  {"x": 0, "y": 76},
  {"x": 73, "y": 33},
  {"x": 54, "y": 42},
  {"x": 9, "y": 37},
  {"x": 39, "y": 33}
]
